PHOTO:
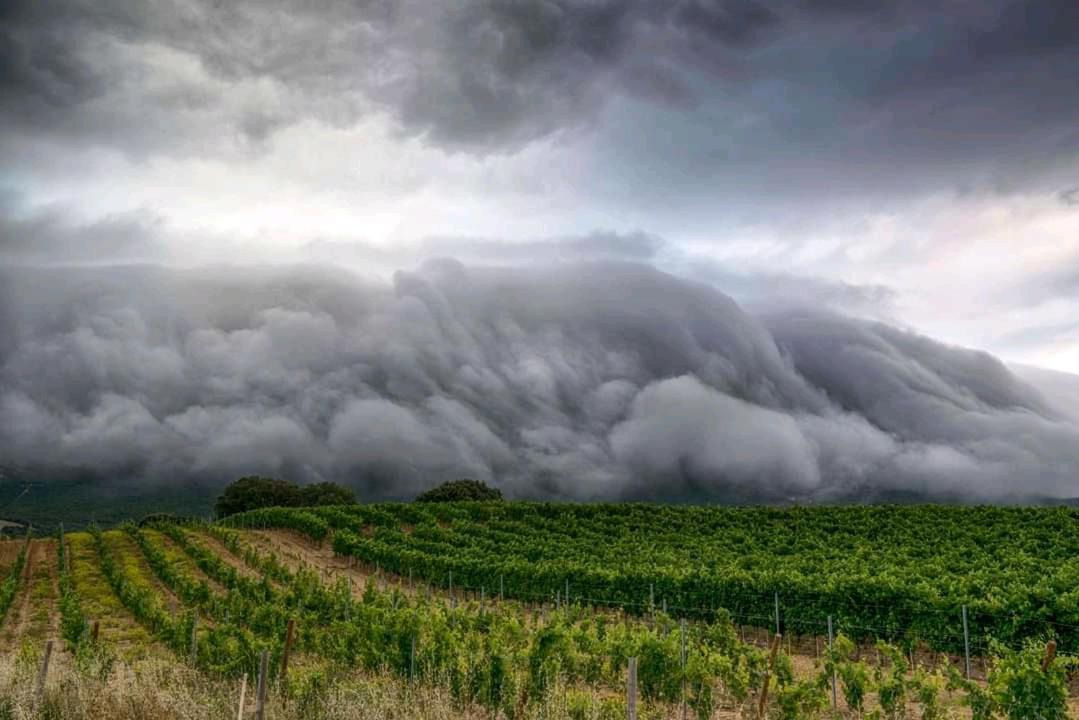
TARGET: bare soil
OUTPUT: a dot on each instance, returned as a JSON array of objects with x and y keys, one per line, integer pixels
[
  {"x": 9, "y": 551},
  {"x": 217, "y": 547}
]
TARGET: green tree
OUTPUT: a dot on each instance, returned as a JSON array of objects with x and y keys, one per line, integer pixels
[
  {"x": 458, "y": 490},
  {"x": 253, "y": 492},
  {"x": 326, "y": 493}
]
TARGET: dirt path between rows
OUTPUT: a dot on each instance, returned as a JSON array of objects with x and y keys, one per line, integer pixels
[
  {"x": 295, "y": 551},
  {"x": 9, "y": 551},
  {"x": 218, "y": 548},
  {"x": 18, "y": 617},
  {"x": 35, "y": 614},
  {"x": 45, "y": 593}
]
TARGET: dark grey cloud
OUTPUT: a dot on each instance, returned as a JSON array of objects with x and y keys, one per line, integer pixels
[
  {"x": 988, "y": 85},
  {"x": 605, "y": 380}
]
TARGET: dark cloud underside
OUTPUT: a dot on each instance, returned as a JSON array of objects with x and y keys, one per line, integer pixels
[
  {"x": 583, "y": 381},
  {"x": 989, "y": 80}
]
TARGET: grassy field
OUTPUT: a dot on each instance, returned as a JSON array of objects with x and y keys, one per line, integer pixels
[{"x": 166, "y": 622}]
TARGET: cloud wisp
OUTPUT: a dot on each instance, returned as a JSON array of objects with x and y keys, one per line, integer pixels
[{"x": 581, "y": 380}]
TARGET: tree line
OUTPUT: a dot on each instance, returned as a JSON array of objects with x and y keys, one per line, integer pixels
[{"x": 254, "y": 492}]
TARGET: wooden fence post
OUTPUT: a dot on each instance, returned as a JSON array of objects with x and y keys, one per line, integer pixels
[
  {"x": 1050, "y": 654},
  {"x": 631, "y": 690},
  {"x": 195, "y": 640},
  {"x": 94, "y": 629},
  {"x": 289, "y": 631},
  {"x": 243, "y": 694},
  {"x": 260, "y": 700},
  {"x": 768, "y": 676},
  {"x": 39, "y": 692}
]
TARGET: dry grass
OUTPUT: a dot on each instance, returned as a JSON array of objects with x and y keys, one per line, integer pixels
[{"x": 156, "y": 689}]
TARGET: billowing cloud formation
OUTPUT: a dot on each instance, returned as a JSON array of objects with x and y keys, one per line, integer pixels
[{"x": 576, "y": 381}]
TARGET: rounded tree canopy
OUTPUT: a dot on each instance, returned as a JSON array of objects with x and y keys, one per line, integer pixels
[
  {"x": 459, "y": 490},
  {"x": 253, "y": 492}
]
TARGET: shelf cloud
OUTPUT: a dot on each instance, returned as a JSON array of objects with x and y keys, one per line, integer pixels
[{"x": 605, "y": 380}]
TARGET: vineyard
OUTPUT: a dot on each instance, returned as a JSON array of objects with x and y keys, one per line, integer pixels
[{"x": 520, "y": 610}]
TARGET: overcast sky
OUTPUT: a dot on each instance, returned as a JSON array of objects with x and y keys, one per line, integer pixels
[
  {"x": 929, "y": 151},
  {"x": 910, "y": 162}
]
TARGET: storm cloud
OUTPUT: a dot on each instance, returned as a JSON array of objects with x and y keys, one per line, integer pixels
[
  {"x": 699, "y": 246},
  {"x": 580, "y": 380},
  {"x": 991, "y": 80}
]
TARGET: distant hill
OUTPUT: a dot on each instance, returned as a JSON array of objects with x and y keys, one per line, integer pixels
[{"x": 46, "y": 498}]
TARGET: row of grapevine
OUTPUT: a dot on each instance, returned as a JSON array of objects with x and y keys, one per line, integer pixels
[
  {"x": 498, "y": 655},
  {"x": 1018, "y": 685},
  {"x": 896, "y": 573},
  {"x": 222, "y": 648},
  {"x": 73, "y": 625},
  {"x": 506, "y": 655},
  {"x": 10, "y": 586}
]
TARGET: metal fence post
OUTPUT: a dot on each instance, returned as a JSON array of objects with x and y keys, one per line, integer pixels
[
  {"x": 832, "y": 660},
  {"x": 260, "y": 700},
  {"x": 966, "y": 642},
  {"x": 682, "y": 630}
]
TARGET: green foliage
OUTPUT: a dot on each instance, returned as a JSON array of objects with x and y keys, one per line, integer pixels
[
  {"x": 460, "y": 491},
  {"x": 10, "y": 585},
  {"x": 225, "y": 648},
  {"x": 899, "y": 574},
  {"x": 892, "y": 683},
  {"x": 494, "y": 658},
  {"x": 1017, "y": 688},
  {"x": 73, "y": 625},
  {"x": 1022, "y": 690},
  {"x": 801, "y": 700},
  {"x": 853, "y": 673},
  {"x": 253, "y": 492},
  {"x": 325, "y": 493},
  {"x": 301, "y": 521}
]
